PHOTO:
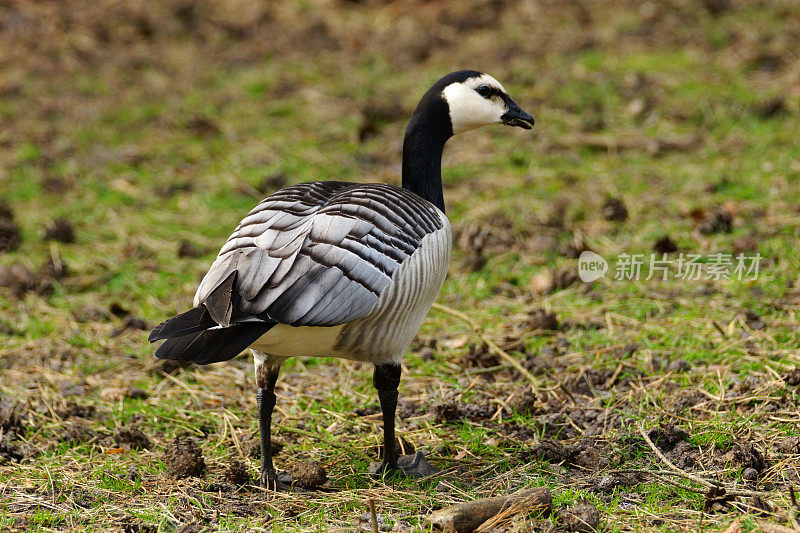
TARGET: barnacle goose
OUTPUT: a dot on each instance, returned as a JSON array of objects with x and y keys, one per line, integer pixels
[{"x": 340, "y": 269}]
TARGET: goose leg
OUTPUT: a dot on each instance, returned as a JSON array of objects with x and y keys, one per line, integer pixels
[
  {"x": 386, "y": 379},
  {"x": 265, "y": 379}
]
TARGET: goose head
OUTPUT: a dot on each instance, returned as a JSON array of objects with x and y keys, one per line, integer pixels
[
  {"x": 476, "y": 99},
  {"x": 473, "y": 99},
  {"x": 465, "y": 100},
  {"x": 458, "y": 102}
]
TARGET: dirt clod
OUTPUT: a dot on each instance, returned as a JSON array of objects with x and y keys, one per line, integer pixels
[
  {"x": 590, "y": 454},
  {"x": 452, "y": 410},
  {"x": 753, "y": 320},
  {"x": 479, "y": 241},
  {"x": 564, "y": 278},
  {"x": 6, "y": 212},
  {"x": 132, "y": 438},
  {"x": 308, "y": 474},
  {"x": 184, "y": 459},
  {"x": 614, "y": 210},
  {"x": 540, "y": 319},
  {"x": 54, "y": 184},
  {"x": 788, "y": 445},
  {"x": 61, "y": 230},
  {"x": 237, "y": 474},
  {"x": 715, "y": 221},
  {"x": 583, "y": 518},
  {"x": 169, "y": 366},
  {"x": 792, "y": 377},
  {"x": 761, "y": 505},
  {"x": 135, "y": 393},
  {"x": 10, "y": 451},
  {"x": 746, "y": 455},
  {"x": 130, "y": 322},
  {"x": 611, "y": 482},
  {"x": 717, "y": 500},
  {"x": 665, "y": 245},
  {"x": 12, "y": 416},
  {"x": 549, "y": 450},
  {"x": 77, "y": 432},
  {"x": 90, "y": 313},
  {"x": 525, "y": 402},
  {"x": 427, "y": 354},
  {"x": 54, "y": 268},
  {"x": 272, "y": 183},
  {"x": 745, "y": 245},
  {"x": 203, "y": 127},
  {"x": 750, "y": 474},
  {"x": 20, "y": 280},
  {"x": 187, "y": 249},
  {"x": 10, "y": 235},
  {"x": 479, "y": 356},
  {"x": 118, "y": 310},
  {"x": 678, "y": 366},
  {"x": 667, "y": 437},
  {"x": 74, "y": 409},
  {"x": 770, "y": 108},
  {"x": 574, "y": 247}
]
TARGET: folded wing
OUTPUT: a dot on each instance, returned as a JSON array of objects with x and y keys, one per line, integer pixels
[{"x": 313, "y": 254}]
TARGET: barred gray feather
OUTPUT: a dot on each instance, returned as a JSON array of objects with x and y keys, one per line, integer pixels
[{"x": 320, "y": 253}]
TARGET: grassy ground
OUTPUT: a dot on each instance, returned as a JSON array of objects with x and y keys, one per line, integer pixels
[{"x": 151, "y": 129}]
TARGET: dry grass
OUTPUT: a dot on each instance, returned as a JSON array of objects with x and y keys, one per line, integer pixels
[{"x": 146, "y": 125}]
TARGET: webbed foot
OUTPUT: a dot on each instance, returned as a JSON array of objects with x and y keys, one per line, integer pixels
[
  {"x": 277, "y": 481},
  {"x": 414, "y": 466}
]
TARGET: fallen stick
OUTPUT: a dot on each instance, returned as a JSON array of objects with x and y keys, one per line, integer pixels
[{"x": 468, "y": 516}]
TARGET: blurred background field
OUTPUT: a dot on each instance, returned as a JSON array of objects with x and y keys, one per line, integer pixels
[{"x": 135, "y": 135}]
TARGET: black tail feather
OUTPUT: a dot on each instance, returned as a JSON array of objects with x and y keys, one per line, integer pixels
[
  {"x": 192, "y": 321},
  {"x": 212, "y": 345}
]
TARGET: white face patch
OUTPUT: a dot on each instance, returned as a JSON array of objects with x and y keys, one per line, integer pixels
[{"x": 468, "y": 109}]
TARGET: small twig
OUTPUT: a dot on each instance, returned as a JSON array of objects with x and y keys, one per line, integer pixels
[
  {"x": 234, "y": 436},
  {"x": 373, "y": 515},
  {"x": 719, "y": 328},
  {"x": 489, "y": 342},
  {"x": 184, "y": 386},
  {"x": 610, "y": 381},
  {"x": 566, "y": 391}
]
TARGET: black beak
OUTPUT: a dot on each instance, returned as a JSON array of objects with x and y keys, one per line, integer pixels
[{"x": 515, "y": 116}]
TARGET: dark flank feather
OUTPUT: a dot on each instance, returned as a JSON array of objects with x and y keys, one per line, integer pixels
[
  {"x": 213, "y": 345},
  {"x": 191, "y": 321},
  {"x": 205, "y": 334}
]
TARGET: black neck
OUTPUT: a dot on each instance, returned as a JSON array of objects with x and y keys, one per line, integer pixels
[{"x": 426, "y": 135}]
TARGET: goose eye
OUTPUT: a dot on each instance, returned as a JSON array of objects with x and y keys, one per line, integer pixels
[{"x": 484, "y": 90}]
